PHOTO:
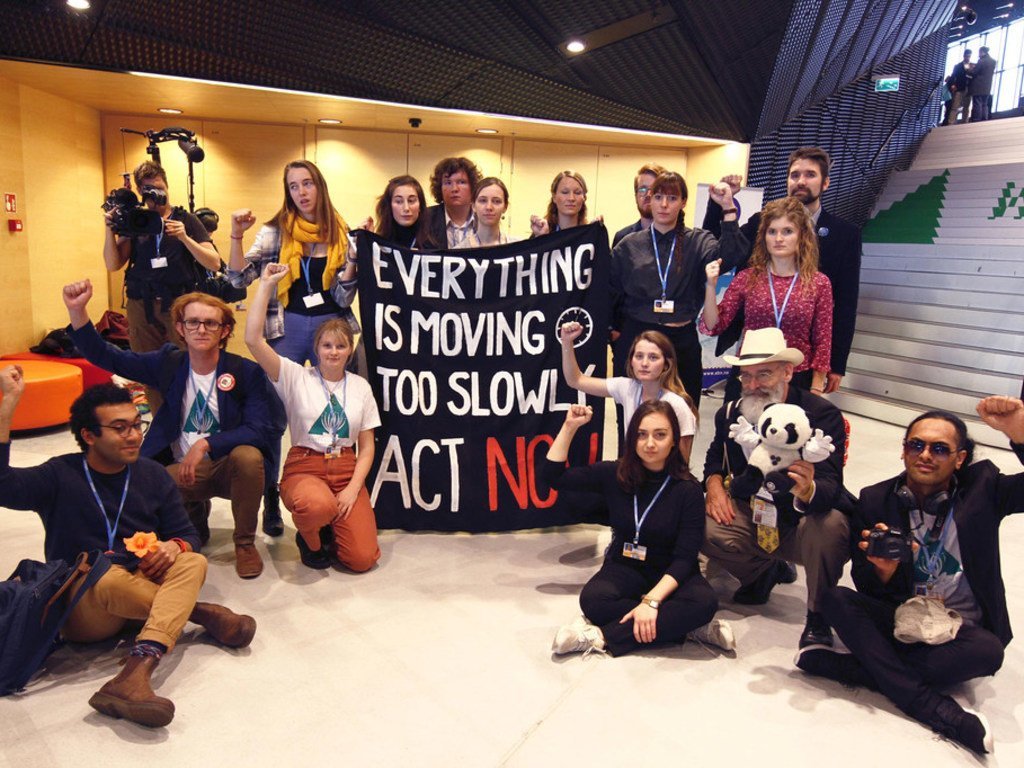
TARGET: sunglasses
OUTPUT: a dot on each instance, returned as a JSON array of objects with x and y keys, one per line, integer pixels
[{"x": 916, "y": 447}]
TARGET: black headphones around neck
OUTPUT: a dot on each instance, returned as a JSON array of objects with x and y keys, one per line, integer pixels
[{"x": 937, "y": 504}]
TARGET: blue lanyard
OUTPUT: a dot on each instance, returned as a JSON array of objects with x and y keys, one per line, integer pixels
[
  {"x": 785, "y": 301},
  {"x": 305, "y": 273},
  {"x": 202, "y": 410},
  {"x": 111, "y": 529},
  {"x": 663, "y": 276},
  {"x": 640, "y": 395},
  {"x": 933, "y": 560},
  {"x": 334, "y": 427},
  {"x": 638, "y": 521}
]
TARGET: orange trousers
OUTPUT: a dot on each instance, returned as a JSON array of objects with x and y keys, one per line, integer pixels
[{"x": 309, "y": 485}]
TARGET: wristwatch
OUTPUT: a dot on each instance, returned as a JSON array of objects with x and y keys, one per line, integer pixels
[{"x": 648, "y": 601}]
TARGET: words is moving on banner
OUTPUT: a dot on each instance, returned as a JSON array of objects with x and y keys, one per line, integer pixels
[{"x": 465, "y": 363}]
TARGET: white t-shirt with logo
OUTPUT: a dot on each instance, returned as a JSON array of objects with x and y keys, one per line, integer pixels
[
  {"x": 315, "y": 423},
  {"x": 201, "y": 412}
]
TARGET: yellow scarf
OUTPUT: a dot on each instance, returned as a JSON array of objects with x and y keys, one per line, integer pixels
[{"x": 296, "y": 233}]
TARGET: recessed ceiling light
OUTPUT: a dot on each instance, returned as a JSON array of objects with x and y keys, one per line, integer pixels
[
  {"x": 330, "y": 121},
  {"x": 79, "y": 5},
  {"x": 486, "y": 130},
  {"x": 576, "y": 46},
  {"x": 169, "y": 111}
]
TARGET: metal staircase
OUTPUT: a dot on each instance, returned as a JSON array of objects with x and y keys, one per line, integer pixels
[{"x": 940, "y": 322}]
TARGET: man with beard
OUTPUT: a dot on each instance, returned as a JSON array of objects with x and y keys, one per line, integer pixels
[
  {"x": 754, "y": 537},
  {"x": 839, "y": 249},
  {"x": 642, "y": 183}
]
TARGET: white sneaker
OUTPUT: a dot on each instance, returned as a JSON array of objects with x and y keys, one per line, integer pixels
[
  {"x": 717, "y": 632},
  {"x": 579, "y": 636}
]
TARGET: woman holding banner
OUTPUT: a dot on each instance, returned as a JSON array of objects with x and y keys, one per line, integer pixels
[
  {"x": 489, "y": 208},
  {"x": 331, "y": 418},
  {"x": 651, "y": 374},
  {"x": 781, "y": 287},
  {"x": 401, "y": 214},
  {"x": 568, "y": 206},
  {"x": 649, "y": 588}
]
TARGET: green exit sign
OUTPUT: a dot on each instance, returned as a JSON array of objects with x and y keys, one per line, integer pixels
[{"x": 887, "y": 84}]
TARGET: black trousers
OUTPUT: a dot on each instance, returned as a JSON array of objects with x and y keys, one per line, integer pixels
[
  {"x": 616, "y": 589},
  {"x": 684, "y": 341},
  {"x": 907, "y": 672}
]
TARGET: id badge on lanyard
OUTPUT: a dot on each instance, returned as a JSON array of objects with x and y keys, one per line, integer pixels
[{"x": 762, "y": 508}]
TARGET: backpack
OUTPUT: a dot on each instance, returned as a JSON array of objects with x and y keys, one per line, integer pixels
[{"x": 31, "y": 613}]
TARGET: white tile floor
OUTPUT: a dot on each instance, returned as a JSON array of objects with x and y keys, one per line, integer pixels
[{"x": 440, "y": 656}]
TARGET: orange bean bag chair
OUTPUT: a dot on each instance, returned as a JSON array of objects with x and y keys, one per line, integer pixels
[{"x": 50, "y": 388}]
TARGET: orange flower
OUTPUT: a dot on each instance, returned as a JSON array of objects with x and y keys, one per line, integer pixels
[{"x": 142, "y": 543}]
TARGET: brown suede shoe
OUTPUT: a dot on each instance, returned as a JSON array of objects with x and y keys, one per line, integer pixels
[
  {"x": 130, "y": 696},
  {"x": 228, "y": 628},
  {"x": 248, "y": 563}
]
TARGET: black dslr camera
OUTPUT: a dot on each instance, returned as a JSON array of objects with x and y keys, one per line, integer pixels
[
  {"x": 892, "y": 544},
  {"x": 130, "y": 217}
]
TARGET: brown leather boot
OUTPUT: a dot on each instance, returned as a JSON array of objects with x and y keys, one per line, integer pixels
[
  {"x": 248, "y": 563},
  {"x": 228, "y": 628},
  {"x": 130, "y": 696}
]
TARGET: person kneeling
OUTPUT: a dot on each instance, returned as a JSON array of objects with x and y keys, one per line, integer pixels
[
  {"x": 649, "y": 589},
  {"x": 930, "y": 606},
  {"x": 101, "y": 499}
]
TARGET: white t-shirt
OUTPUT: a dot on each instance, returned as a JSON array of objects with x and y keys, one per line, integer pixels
[
  {"x": 939, "y": 564},
  {"x": 626, "y": 392},
  {"x": 202, "y": 414},
  {"x": 315, "y": 423}
]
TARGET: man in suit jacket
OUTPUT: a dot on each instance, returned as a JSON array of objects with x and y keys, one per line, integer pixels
[
  {"x": 642, "y": 183},
  {"x": 754, "y": 536},
  {"x": 839, "y": 245},
  {"x": 952, "y": 509},
  {"x": 453, "y": 185},
  {"x": 980, "y": 88},
  {"x": 218, "y": 418}
]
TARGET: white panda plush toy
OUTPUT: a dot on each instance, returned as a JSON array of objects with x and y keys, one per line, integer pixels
[{"x": 783, "y": 435}]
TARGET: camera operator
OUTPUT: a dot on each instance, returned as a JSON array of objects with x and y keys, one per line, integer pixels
[
  {"x": 160, "y": 267},
  {"x": 936, "y": 615}
]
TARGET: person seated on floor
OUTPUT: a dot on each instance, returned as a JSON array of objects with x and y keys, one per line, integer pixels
[
  {"x": 331, "y": 418},
  {"x": 935, "y": 530},
  {"x": 649, "y": 588},
  {"x": 753, "y": 537},
  {"x": 218, "y": 416},
  {"x": 94, "y": 501}
]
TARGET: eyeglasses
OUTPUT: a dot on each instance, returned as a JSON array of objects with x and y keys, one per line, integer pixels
[
  {"x": 762, "y": 377},
  {"x": 916, "y": 447},
  {"x": 124, "y": 428},
  {"x": 210, "y": 325},
  {"x": 643, "y": 191}
]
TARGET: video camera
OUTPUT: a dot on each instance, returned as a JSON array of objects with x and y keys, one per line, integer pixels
[
  {"x": 130, "y": 217},
  {"x": 892, "y": 544}
]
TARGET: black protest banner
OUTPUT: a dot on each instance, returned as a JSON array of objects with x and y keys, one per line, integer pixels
[{"x": 465, "y": 363}]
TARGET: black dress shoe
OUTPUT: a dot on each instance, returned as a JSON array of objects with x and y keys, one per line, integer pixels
[
  {"x": 272, "y": 523},
  {"x": 962, "y": 725},
  {"x": 787, "y": 573},
  {"x": 841, "y": 666},
  {"x": 319, "y": 559},
  {"x": 758, "y": 591},
  {"x": 816, "y": 631}
]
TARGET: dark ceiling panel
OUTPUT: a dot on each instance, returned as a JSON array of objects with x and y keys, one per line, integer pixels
[{"x": 728, "y": 68}]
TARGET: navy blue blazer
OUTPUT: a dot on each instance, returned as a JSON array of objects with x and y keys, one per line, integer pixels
[
  {"x": 839, "y": 252},
  {"x": 636, "y": 226},
  {"x": 248, "y": 414}
]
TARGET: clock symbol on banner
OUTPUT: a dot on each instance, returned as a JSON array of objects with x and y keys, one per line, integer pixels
[{"x": 576, "y": 315}]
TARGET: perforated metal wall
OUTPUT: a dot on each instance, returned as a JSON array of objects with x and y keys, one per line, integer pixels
[{"x": 867, "y": 134}]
